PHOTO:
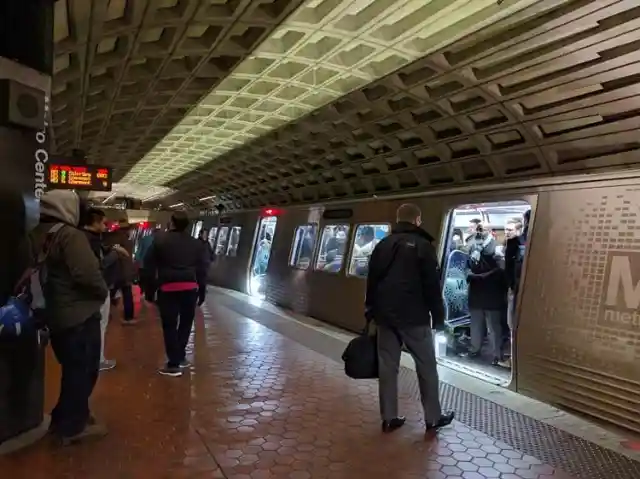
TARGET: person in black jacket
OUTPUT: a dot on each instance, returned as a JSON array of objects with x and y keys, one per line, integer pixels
[
  {"x": 179, "y": 262},
  {"x": 514, "y": 258},
  {"x": 404, "y": 298},
  {"x": 514, "y": 253},
  {"x": 487, "y": 295},
  {"x": 94, "y": 227}
]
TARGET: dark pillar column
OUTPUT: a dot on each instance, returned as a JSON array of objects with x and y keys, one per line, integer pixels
[{"x": 26, "y": 56}]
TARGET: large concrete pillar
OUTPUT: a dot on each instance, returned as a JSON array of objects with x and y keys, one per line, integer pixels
[{"x": 26, "y": 57}]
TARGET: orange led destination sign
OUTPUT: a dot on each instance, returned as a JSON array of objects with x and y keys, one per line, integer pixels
[{"x": 88, "y": 177}]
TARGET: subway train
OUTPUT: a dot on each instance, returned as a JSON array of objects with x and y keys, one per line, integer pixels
[{"x": 577, "y": 341}]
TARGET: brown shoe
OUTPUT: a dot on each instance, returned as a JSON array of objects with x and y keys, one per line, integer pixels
[{"x": 91, "y": 431}]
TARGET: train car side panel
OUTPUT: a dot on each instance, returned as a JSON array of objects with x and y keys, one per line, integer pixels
[
  {"x": 339, "y": 298},
  {"x": 287, "y": 286},
  {"x": 579, "y": 333},
  {"x": 231, "y": 271}
]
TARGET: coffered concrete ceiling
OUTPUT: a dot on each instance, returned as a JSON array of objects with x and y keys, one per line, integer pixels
[
  {"x": 127, "y": 71},
  {"x": 334, "y": 99}
]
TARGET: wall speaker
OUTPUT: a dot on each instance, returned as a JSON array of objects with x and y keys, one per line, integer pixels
[{"x": 21, "y": 105}]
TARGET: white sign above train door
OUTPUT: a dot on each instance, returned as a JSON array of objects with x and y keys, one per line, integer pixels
[{"x": 621, "y": 292}]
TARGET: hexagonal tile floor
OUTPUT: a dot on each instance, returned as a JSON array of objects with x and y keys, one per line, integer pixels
[{"x": 257, "y": 405}]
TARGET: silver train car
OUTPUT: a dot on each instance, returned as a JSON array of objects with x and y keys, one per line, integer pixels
[{"x": 577, "y": 340}]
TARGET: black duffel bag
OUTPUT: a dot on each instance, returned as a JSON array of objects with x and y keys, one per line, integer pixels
[{"x": 361, "y": 356}]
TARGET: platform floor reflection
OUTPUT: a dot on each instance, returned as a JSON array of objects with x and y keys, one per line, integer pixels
[{"x": 259, "y": 404}]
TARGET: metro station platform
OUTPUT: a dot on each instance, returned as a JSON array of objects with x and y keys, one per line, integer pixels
[{"x": 267, "y": 398}]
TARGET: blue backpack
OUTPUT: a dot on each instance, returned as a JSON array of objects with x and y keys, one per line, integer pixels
[{"x": 27, "y": 303}]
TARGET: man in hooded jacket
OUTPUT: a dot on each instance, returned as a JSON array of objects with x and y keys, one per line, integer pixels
[
  {"x": 74, "y": 292},
  {"x": 404, "y": 298}
]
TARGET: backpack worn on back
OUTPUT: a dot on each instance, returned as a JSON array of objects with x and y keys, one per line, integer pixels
[{"x": 28, "y": 301}]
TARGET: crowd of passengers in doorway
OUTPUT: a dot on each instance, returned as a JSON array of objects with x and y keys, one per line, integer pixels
[{"x": 481, "y": 285}]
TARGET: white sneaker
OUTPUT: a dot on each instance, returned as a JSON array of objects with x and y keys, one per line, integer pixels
[
  {"x": 505, "y": 364},
  {"x": 171, "y": 372},
  {"x": 107, "y": 365}
]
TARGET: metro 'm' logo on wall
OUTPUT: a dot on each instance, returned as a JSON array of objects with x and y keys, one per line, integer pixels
[{"x": 621, "y": 293}]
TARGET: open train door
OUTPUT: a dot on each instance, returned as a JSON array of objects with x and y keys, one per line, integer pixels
[{"x": 262, "y": 252}]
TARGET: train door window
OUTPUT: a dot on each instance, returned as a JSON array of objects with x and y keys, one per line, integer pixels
[
  {"x": 333, "y": 248},
  {"x": 366, "y": 238},
  {"x": 212, "y": 236},
  {"x": 222, "y": 240},
  {"x": 261, "y": 256},
  {"x": 483, "y": 254},
  {"x": 304, "y": 244},
  {"x": 234, "y": 240},
  {"x": 197, "y": 227}
]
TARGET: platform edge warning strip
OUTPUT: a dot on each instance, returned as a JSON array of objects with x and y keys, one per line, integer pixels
[{"x": 560, "y": 449}]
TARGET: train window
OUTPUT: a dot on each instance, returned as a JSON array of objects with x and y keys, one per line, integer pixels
[
  {"x": 333, "y": 247},
  {"x": 304, "y": 244},
  {"x": 212, "y": 236},
  {"x": 484, "y": 249},
  {"x": 222, "y": 240},
  {"x": 196, "y": 229},
  {"x": 234, "y": 240},
  {"x": 366, "y": 238}
]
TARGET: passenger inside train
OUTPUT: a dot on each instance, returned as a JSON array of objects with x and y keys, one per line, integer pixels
[
  {"x": 221, "y": 242},
  {"x": 197, "y": 229},
  {"x": 367, "y": 237},
  {"x": 213, "y": 232},
  {"x": 481, "y": 272},
  {"x": 234, "y": 240},
  {"x": 333, "y": 247},
  {"x": 303, "y": 246}
]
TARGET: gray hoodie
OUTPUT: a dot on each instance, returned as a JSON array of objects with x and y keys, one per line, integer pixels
[{"x": 75, "y": 289}]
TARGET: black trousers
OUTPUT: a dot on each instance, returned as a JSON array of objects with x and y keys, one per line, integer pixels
[
  {"x": 177, "y": 311},
  {"x": 127, "y": 301},
  {"x": 77, "y": 349},
  {"x": 147, "y": 285}
]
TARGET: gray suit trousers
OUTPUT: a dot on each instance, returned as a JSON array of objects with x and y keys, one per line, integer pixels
[{"x": 419, "y": 342}]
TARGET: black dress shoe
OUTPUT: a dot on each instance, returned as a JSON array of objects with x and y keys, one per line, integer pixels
[
  {"x": 444, "y": 421},
  {"x": 393, "y": 424}
]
